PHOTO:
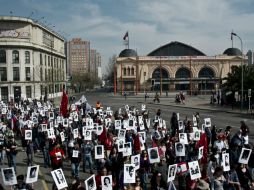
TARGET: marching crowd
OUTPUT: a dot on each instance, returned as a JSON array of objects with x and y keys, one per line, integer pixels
[{"x": 220, "y": 158}]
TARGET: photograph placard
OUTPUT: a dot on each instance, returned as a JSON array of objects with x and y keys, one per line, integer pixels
[
  {"x": 200, "y": 152},
  {"x": 194, "y": 170},
  {"x": 90, "y": 183},
  {"x": 9, "y": 177},
  {"x": 136, "y": 161},
  {"x": 120, "y": 145},
  {"x": 121, "y": 133},
  {"x": 129, "y": 173},
  {"x": 28, "y": 134},
  {"x": 59, "y": 179},
  {"x": 99, "y": 152},
  {"x": 127, "y": 151},
  {"x": 32, "y": 174},
  {"x": 180, "y": 149},
  {"x": 245, "y": 156},
  {"x": 208, "y": 122},
  {"x": 183, "y": 138},
  {"x": 153, "y": 154},
  {"x": 172, "y": 169},
  {"x": 118, "y": 124},
  {"x": 225, "y": 162},
  {"x": 88, "y": 135},
  {"x": 106, "y": 182}
]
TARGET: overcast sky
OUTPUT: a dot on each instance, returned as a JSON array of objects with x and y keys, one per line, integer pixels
[{"x": 203, "y": 24}]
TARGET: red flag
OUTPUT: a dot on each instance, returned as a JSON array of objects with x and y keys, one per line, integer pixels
[
  {"x": 203, "y": 142},
  {"x": 126, "y": 36},
  {"x": 64, "y": 105},
  {"x": 137, "y": 147}
]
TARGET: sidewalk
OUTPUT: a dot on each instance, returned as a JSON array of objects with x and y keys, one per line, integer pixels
[{"x": 201, "y": 102}]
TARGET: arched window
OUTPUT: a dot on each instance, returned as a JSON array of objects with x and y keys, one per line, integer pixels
[
  {"x": 15, "y": 56},
  {"x": 156, "y": 73},
  {"x": 206, "y": 73},
  {"x": 2, "y": 56},
  {"x": 129, "y": 71},
  {"x": 132, "y": 71},
  {"x": 27, "y": 57},
  {"x": 124, "y": 71},
  {"x": 183, "y": 73}
]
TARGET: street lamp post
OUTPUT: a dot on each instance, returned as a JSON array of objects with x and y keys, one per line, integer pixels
[{"x": 234, "y": 34}]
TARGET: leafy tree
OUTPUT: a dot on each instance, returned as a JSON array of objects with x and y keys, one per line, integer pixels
[
  {"x": 233, "y": 79},
  {"x": 109, "y": 77}
]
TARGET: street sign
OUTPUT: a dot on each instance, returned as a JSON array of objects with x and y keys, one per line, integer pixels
[{"x": 249, "y": 93}]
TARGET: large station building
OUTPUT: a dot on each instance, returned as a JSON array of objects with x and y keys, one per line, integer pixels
[{"x": 174, "y": 67}]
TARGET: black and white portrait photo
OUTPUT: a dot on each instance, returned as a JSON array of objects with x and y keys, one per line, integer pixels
[
  {"x": 120, "y": 145},
  {"x": 153, "y": 154},
  {"x": 88, "y": 135},
  {"x": 121, "y": 133},
  {"x": 118, "y": 124},
  {"x": 127, "y": 149},
  {"x": 75, "y": 133},
  {"x": 136, "y": 161},
  {"x": 207, "y": 122},
  {"x": 106, "y": 182},
  {"x": 51, "y": 133},
  {"x": 90, "y": 183},
  {"x": 75, "y": 153},
  {"x": 51, "y": 115},
  {"x": 194, "y": 170},
  {"x": 32, "y": 174},
  {"x": 9, "y": 177},
  {"x": 129, "y": 173},
  {"x": 172, "y": 172},
  {"x": 200, "y": 152},
  {"x": 59, "y": 178},
  {"x": 65, "y": 122},
  {"x": 142, "y": 136},
  {"x": 245, "y": 156},
  {"x": 62, "y": 136},
  {"x": 180, "y": 149},
  {"x": 196, "y": 135},
  {"x": 28, "y": 135},
  {"x": 225, "y": 162},
  {"x": 99, "y": 152},
  {"x": 180, "y": 125},
  {"x": 183, "y": 138},
  {"x": 43, "y": 127},
  {"x": 194, "y": 120}
]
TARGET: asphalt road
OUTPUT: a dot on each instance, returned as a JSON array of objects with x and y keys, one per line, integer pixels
[{"x": 220, "y": 118}]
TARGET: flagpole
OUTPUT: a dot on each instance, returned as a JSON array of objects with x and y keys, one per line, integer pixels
[{"x": 128, "y": 40}]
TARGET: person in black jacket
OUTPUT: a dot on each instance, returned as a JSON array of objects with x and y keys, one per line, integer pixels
[{"x": 75, "y": 160}]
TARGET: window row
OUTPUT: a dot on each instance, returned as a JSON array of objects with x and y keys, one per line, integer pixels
[
  {"x": 50, "y": 75},
  {"x": 15, "y": 56},
  {"x": 51, "y": 62},
  {"x": 128, "y": 71}
]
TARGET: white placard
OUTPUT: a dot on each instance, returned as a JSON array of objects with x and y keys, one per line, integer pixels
[
  {"x": 196, "y": 135},
  {"x": 9, "y": 177},
  {"x": 118, "y": 124},
  {"x": 106, "y": 182},
  {"x": 121, "y": 133},
  {"x": 90, "y": 183},
  {"x": 59, "y": 179},
  {"x": 225, "y": 162},
  {"x": 194, "y": 170},
  {"x": 179, "y": 149},
  {"x": 120, "y": 145},
  {"x": 75, "y": 133},
  {"x": 245, "y": 156},
  {"x": 172, "y": 172},
  {"x": 136, "y": 161},
  {"x": 88, "y": 135},
  {"x": 153, "y": 154},
  {"x": 28, "y": 135},
  {"x": 62, "y": 136},
  {"x": 51, "y": 133},
  {"x": 180, "y": 125},
  {"x": 129, "y": 173},
  {"x": 32, "y": 174},
  {"x": 208, "y": 122},
  {"x": 183, "y": 138},
  {"x": 127, "y": 151},
  {"x": 99, "y": 152},
  {"x": 75, "y": 153},
  {"x": 200, "y": 152}
]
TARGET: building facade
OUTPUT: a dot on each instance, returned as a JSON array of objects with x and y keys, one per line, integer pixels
[
  {"x": 78, "y": 56},
  {"x": 174, "y": 67},
  {"x": 32, "y": 60}
]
